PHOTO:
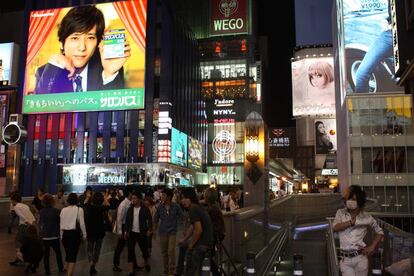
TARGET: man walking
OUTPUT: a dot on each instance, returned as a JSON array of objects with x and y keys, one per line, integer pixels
[{"x": 167, "y": 216}]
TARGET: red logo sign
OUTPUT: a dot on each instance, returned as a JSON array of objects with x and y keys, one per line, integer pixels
[{"x": 228, "y": 17}]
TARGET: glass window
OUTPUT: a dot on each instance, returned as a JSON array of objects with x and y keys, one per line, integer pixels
[
  {"x": 366, "y": 160},
  {"x": 378, "y": 161},
  {"x": 410, "y": 159},
  {"x": 389, "y": 160},
  {"x": 400, "y": 164}
]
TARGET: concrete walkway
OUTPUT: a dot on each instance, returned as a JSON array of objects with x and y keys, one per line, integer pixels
[{"x": 104, "y": 266}]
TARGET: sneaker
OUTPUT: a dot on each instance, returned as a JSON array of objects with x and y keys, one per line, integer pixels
[{"x": 116, "y": 268}]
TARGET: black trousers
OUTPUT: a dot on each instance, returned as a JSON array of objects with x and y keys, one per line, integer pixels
[
  {"x": 55, "y": 244},
  {"x": 142, "y": 240},
  {"x": 118, "y": 250}
]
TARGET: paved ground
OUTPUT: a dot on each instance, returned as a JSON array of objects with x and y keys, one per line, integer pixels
[{"x": 104, "y": 267}]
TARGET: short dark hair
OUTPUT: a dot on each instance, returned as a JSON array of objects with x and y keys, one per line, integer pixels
[
  {"x": 89, "y": 188},
  {"x": 97, "y": 198},
  {"x": 190, "y": 194},
  {"x": 168, "y": 192},
  {"x": 72, "y": 199},
  {"x": 137, "y": 194},
  {"x": 81, "y": 19},
  {"x": 16, "y": 197},
  {"x": 48, "y": 201},
  {"x": 359, "y": 194}
]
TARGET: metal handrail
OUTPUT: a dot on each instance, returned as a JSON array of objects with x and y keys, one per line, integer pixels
[
  {"x": 333, "y": 264},
  {"x": 280, "y": 240}
]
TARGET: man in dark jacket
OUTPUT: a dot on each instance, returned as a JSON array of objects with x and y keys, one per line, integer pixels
[{"x": 138, "y": 226}]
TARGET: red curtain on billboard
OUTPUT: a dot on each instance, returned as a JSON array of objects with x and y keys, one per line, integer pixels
[
  {"x": 41, "y": 24},
  {"x": 134, "y": 16}
]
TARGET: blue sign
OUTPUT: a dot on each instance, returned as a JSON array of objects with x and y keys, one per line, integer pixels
[{"x": 178, "y": 148}]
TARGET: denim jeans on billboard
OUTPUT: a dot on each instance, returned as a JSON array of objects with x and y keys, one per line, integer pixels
[
  {"x": 379, "y": 50},
  {"x": 194, "y": 259}
]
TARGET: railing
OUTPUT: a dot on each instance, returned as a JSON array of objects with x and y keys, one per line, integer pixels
[
  {"x": 333, "y": 264},
  {"x": 276, "y": 247},
  {"x": 396, "y": 246}
]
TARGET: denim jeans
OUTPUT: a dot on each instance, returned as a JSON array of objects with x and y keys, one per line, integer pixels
[
  {"x": 379, "y": 50},
  {"x": 194, "y": 259}
]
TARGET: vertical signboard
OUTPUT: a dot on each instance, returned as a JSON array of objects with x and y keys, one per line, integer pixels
[
  {"x": 228, "y": 17},
  {"x": 325, "y": 136},
  {"x": 178, "y": 147},
  {"x": 313, "y": 86}
]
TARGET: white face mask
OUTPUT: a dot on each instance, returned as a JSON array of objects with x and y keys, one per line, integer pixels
[{"x": 351, "y": 204}]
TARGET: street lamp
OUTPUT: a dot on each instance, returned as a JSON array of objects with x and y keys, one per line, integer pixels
[{"x": 255, "y": 185}]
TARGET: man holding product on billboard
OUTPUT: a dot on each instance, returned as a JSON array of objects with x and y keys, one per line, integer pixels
[{"x": 82, "y": 64}]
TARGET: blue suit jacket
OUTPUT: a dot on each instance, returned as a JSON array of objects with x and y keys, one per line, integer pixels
[{"x": 52, "y": 79}]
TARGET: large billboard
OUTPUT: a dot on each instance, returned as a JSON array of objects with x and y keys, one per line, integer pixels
[
  {"x": 178, "y": 147},
  {"x": 86, "y": 58},
  {"x": 228, "y": 17},
  {"x": 313, "y": 86},
  {"x": 368, "y": 47},
  {"x": 325, "y": 136}
]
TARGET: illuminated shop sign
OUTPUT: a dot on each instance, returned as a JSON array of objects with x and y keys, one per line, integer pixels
[
  {"x": 228, "y": 17},
  {"x": 164, "y": 151},
  {"x": 224, "y": 145},
  {"x": 195, "y": 153},
  {"x": 224, "y": 121},
  {"x": 79, "y": 175},
  {"x": 224, "y": 102},
  {"x": 281, "y": 142},
  {"x": 220, "y": 112},
  {"x": 329, "y": 172}
]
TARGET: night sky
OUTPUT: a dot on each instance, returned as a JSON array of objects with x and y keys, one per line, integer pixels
[{"x": 277, "y": 99}]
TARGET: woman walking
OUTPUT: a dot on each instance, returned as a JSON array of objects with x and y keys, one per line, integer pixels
[{"x": 72, "y": 229}]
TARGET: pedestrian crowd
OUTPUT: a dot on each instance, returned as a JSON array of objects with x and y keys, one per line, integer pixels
[{"x": 137, "y": 216}]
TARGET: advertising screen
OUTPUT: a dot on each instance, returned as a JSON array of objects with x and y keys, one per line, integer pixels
[
  {"x": 195, "y": 153},
  {"x": 178, "y": 148},
  {"x": 86, "y": 58},
  {"x": 368, "y": 47},
  {"x": 313, "y": 86},
  {"x": 325, "y": 136},
  {"x": 8, "y": 54}
]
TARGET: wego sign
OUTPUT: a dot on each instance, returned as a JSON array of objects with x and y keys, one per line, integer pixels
[{"x": 228, "y": 17}]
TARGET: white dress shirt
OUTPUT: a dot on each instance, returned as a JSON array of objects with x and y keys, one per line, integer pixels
[
  {"x": 352, "y": 238},
  {"x": 121, "y": 214},
  {"x": 24, "y": 214},
  {"x": 68, "y": 217},
  {"x": 135, "y": 222}
]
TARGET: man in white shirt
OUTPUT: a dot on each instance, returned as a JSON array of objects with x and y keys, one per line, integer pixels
[
  {"x": 25, "y": 218},
  {"x": 352, "y": 222},
  {"x": 120, "y": 229},
  {"x": 138, "y": 226}
]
